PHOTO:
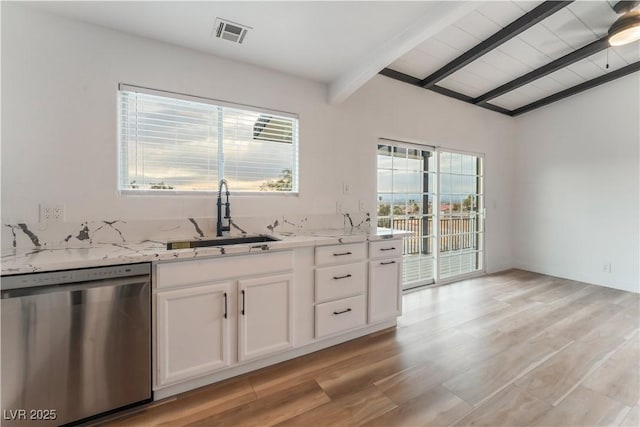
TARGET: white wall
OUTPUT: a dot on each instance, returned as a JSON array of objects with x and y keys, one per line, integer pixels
[
  {"x": 577, "y": 187},
  {"x": 59, "y": 142},
  {"x": 59, "y": 88}
]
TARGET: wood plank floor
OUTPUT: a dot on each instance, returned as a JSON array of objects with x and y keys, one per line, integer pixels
[{"x": 509, "y": 349}]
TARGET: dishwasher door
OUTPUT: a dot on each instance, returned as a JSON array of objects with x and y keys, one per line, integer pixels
[{"x": 74, "y": 351}]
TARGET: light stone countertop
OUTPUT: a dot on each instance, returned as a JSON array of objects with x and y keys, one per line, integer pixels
[{"x": 20, "y": 261}]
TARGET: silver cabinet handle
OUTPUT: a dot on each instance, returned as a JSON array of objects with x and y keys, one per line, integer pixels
[
  {"x": 342, "y": 312},
  {"x": 341, "y": 277},
  {"x": 387, "y": 263}
]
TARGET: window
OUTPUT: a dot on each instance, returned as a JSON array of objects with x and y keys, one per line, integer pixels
[{"x": 171, "y": 142}]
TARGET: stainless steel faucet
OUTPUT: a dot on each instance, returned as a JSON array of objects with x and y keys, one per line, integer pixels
[{"x": 227, "y": 210}]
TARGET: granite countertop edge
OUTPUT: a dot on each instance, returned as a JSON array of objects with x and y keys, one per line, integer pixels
[{"x": 35, "y": 260}]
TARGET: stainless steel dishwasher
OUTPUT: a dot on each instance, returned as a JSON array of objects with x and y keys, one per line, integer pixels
[{"x": 75, "y": 344}]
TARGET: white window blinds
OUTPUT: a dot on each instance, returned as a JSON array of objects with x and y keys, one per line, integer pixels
[{"x": 171, "y": 142}]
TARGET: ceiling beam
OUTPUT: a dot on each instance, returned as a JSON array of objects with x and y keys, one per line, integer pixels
[
  {"x": 613, "y": 75},
  {"x": 437, "y": 17},
  {"x": 521, "y": 24},
  {"x": 397, "y": 75},
  {"x": 570, "y": 58},
  {"x": 610, "y": 76}
]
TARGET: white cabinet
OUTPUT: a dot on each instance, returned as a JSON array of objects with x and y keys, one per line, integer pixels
[
  {"x": 340, "y": 287},
  {"x": 264, "y": 315},
  {"x": 222, "y": 316},
  {"x": 193, "y": 331},
  {"x": 199, "y": 330},
  {"x": 384, "y": 288}
]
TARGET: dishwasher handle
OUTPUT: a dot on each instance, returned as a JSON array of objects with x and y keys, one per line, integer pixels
[{"x": 80, "y": 286}]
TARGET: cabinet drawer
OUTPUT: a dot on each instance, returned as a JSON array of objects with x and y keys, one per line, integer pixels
[
  {"x": 179, "y": 273},
  {"x": 340, "y": 254},
  {"x": 339, "y": 281},
  {"x": 385, "y": 249},
  {"x": 338, "y": 316}
]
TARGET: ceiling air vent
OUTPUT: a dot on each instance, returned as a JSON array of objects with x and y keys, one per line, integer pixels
[{"x": 231, "y": 31}]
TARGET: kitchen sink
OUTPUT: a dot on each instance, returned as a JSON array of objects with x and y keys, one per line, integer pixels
[{"x": 220, "y": 241}]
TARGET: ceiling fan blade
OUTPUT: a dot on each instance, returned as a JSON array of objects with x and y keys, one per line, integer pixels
[{"x": 624, "y": 6}]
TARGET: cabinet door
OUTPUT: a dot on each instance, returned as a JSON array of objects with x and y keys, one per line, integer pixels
[
  {"x": 265, "y": 316},
  {"x": 384, "y": 290},
  {"x": 193, "y": 331}
]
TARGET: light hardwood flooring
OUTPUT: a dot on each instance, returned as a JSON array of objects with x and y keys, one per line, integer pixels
[{"x": 509, "y": 349}]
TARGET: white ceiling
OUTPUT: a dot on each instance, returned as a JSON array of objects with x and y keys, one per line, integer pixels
[
  {"x": 345, "y": 43},
  {"x": 315, "y": 40}
]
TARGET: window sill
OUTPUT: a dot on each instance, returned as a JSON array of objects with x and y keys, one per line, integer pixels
[{"x": 181, "y": 193}]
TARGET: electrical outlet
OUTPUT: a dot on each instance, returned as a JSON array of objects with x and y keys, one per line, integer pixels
[
  {"x": 606, "y": 268},
  {"x": 346, "y": 188},
  {"x": 46, "y": 212},
  {"x": 361, "y": 206},
  {"x": 58, "y": 213},
  {"x": 51, "y": 213}
]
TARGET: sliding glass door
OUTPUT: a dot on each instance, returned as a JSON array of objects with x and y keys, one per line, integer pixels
[
  {"x": 460, "y": 220},
  {"x": 437, "y": 196},
  {"x": 406, "y": 185}
]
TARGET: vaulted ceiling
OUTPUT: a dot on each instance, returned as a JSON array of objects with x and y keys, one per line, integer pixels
[
  {"x": 513, "y": 57},
  {"x": 507, "y": 56}
]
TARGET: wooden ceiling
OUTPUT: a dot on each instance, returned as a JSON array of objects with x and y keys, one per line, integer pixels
[{"x": 512, "y": 57}]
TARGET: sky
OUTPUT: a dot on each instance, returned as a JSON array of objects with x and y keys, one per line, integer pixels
[{"x": 403, "y": 175}]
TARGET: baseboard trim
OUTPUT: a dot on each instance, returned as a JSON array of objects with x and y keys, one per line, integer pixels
[{"x": 588, "y": 280}]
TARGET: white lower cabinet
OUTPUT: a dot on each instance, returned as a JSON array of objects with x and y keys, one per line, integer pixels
[
  {"x": 340, "y": 285},
  {"x": 384, "y": 290},
  {"x": 193, "y": 331},
  {"x": 264, "y": 320},
  {"x": 210, "y": 310},
  {"x": 217, "y": 317}
]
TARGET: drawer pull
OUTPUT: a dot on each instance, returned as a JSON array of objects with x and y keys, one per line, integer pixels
[
  {"x": 225, "y": 305},
  {"x": 344, "y": 253},
  {"x": 342, "y": 312},
  {"x": 387, "y": 249},
  {"x": 387, "y": 263},
  {"x": 243, "y": 302},
  {"x": 341, "y": 277}
]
